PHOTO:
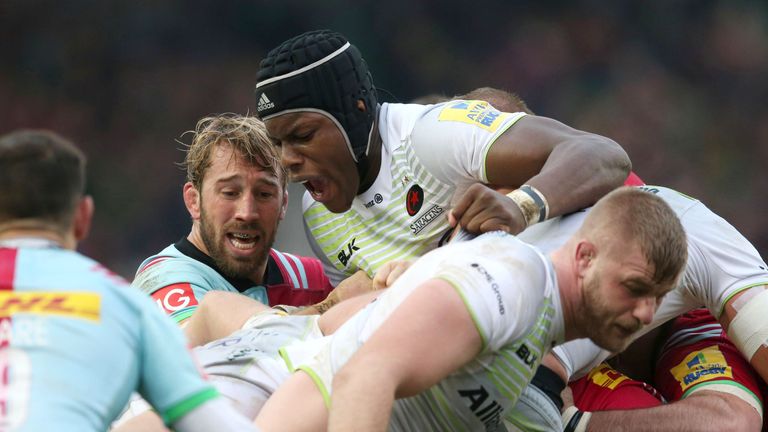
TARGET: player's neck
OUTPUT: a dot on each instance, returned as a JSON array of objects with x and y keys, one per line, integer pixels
[
  {"x": 570, "y": 296},
  {"x": 18, "y": 232}
]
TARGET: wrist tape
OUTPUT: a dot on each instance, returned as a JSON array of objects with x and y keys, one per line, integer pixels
[
  {"x": 575, "y": 420},
  {"x": 532, "y": 204}
]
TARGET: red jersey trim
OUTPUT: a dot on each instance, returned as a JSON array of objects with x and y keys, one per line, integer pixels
[{"x": 7, "y": 268}]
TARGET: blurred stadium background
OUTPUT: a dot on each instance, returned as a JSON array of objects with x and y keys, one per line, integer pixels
[{"x": 681, "y": 84}]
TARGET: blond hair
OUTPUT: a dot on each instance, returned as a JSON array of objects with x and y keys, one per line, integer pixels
[
  {"x": 246, "y": 134},
  {"x": 639, "y": 216}
]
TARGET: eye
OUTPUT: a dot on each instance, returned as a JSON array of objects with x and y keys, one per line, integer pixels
[
  {"x": 636, "y": 290},
  {"x": 304, "y": 136},
  {"x": 229, "y": 193}
]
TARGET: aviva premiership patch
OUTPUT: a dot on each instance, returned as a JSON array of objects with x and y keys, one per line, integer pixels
[
  {"x": 478, "y": 113},
  {"x": 702, "y": 365}
]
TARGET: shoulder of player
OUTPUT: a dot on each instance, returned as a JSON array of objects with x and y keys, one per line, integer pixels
[
  {"x": 161, "y": 271},
  {"x": 304, "y": 270}
]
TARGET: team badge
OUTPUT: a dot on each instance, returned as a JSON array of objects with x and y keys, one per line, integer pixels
[{"x": 414, "y": 199}]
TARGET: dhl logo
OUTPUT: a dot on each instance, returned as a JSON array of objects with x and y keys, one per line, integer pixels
[
  {"x": 67, "y": 304},
  {"x": 606, "y": 376}
]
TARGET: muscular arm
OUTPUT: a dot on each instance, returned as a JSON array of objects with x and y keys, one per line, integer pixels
[
  {"x": 441, "y": 337},
  {"x": 702, "y": 411},
  {"x": 220, "y": 313},
  {"x": 571, "y": 168}
]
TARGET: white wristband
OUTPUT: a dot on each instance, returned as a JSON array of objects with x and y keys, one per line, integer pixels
[
  {"x": 532, "y": 204},
  {"x": 575, "y": 420}
]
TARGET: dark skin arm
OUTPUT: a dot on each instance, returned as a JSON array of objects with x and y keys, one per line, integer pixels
[{"x": 571, "y": 168}]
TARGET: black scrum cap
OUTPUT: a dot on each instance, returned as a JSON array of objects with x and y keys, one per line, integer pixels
[{"x": 320, "y": 71}]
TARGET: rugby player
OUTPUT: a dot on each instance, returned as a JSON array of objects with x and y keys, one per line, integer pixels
[
  {"x": 236, "y": 196},
  {"x": 461, "y": 332},
  {"x": 75, "y": 341},
  {"x": 381, "y": 179}
]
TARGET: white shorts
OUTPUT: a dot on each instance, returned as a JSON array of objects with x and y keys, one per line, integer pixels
[{"x": 245, "y": 367}]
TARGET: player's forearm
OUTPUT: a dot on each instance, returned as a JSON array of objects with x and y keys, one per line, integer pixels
[
  {"x": 698, "y": 413},
  {"x": 590, "y": 166},
  {"x": 361, "y": 401}
]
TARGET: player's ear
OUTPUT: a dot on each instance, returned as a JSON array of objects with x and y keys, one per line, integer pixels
[
  {"x": 361, "y": 105},
  {"x": 284, "y": 206},
  {"x": 192, "y": 200},
  {"x": 584, "y": 255},
  {"x": 83, "y": 218}
]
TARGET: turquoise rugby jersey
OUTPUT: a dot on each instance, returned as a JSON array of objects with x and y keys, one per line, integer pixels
[{"x": 76, "y": 341}]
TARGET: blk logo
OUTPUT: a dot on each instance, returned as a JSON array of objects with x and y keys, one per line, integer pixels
[
  {"x": 346, "y": 254},
  {"x": 414, "y": 199},
  {"x": 526, "y": 355}
]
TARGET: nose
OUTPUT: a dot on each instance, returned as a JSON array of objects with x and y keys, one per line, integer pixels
[
  {"x": 645, "y": 309},
  {"x": 247, "y": 208},
  {"x": 290, "y": 158}
]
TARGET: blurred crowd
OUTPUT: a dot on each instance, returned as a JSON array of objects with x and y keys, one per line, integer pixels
[{"x": 681, "y": 85}]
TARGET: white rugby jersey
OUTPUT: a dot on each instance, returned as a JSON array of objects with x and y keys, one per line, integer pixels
[
  {"x": 510, "y": 290},
  {"x": 428, "y": 153},
  {"x": 721, "y": 263}
]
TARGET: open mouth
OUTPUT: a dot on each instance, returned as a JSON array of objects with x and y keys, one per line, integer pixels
[
  {"x": 317, "y": 188},
  {"x": 243, "y": 241}
]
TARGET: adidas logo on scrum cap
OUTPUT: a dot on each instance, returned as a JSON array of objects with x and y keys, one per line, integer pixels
[{"x": 264, "y": 103}]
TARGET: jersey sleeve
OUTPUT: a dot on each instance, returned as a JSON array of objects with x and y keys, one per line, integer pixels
[
  {"x": 452, "y": 139},
  {"x": 699, "y": 356},
  {"x": 176, "y": 286},
  {"x": 170, "y": 380},
  {"x": 721, "y": 262},
  {"x": 501, "y": 297},
  {"x": 608, "y": 389}
]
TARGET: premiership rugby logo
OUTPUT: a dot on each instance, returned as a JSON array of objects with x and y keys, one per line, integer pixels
[
  {"x": 265, "y": 103},
  {"x": 414, "y": 199}
]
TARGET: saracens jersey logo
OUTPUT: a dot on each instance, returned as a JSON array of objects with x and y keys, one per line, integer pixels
[{"x": 414, "y": 199}]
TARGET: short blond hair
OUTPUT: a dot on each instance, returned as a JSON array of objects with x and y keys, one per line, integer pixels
[
  {"x": 246, "y": 134},
  {"x": 639, "y": 216}
]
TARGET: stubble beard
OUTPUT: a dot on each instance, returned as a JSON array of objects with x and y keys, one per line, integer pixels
[
  {"x": 232, "y": 266},
  {"x": 598, "y": 323}
]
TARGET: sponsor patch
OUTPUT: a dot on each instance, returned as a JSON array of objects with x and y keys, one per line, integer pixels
[
  {"x": 176, "y": 297},
  {"x": 346, "y": 254},
  {"x": 483, "y": 406},
  {"x": 427, "y": 218},
  {"x": 66, "y": 304},
  {"x": 477, "y": 113},
  {"x": 605, "y": 376},
  {"x": 702, "y": 365}
]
